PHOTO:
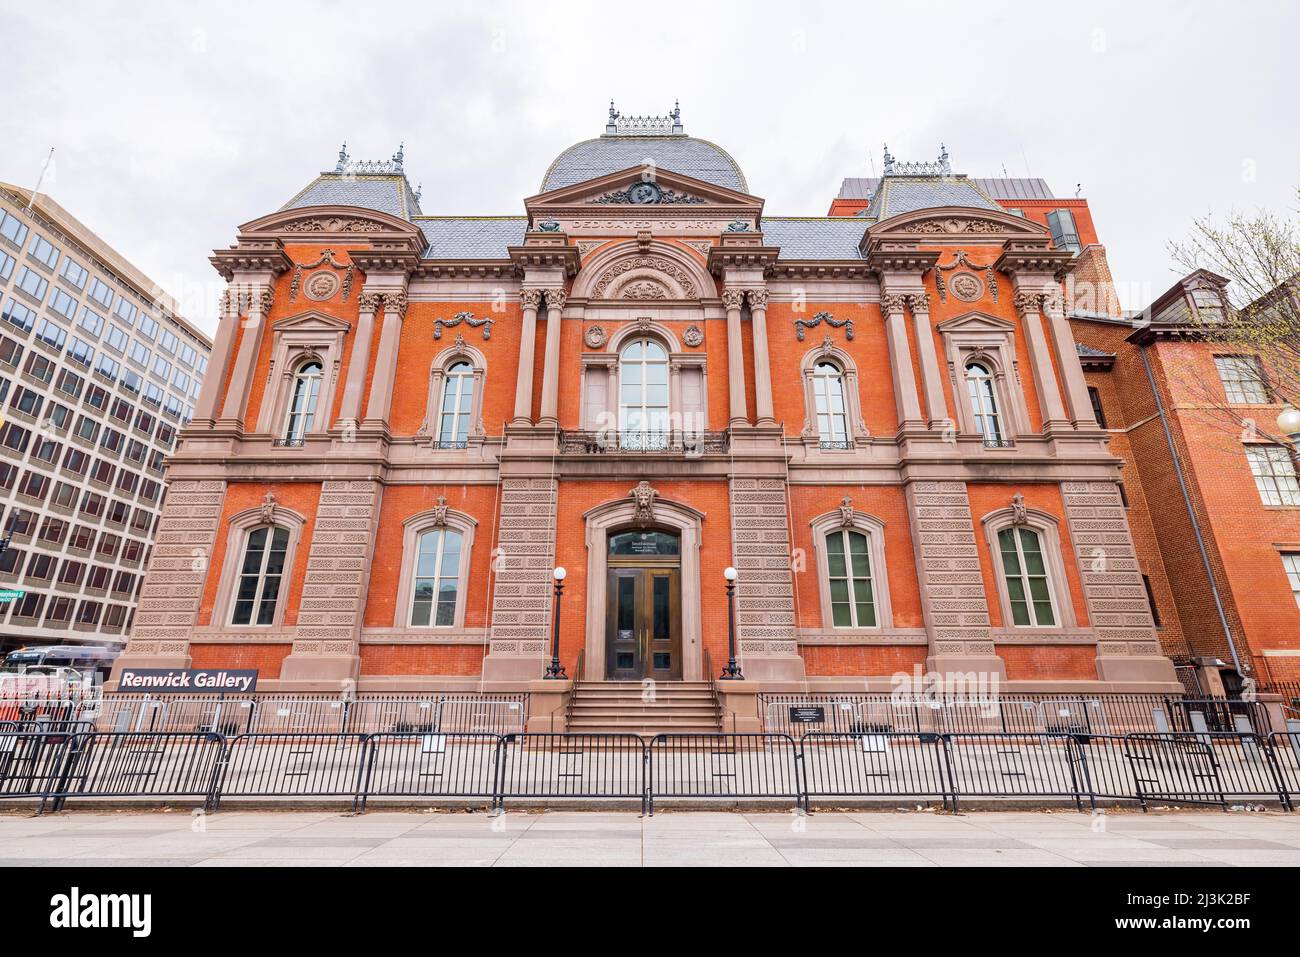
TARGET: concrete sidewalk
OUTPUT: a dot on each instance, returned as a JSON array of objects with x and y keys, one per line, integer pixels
[{"x": 917, "y": 839}]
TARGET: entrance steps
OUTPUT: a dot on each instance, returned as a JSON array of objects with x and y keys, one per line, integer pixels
[{"x": 676, "y": 707}]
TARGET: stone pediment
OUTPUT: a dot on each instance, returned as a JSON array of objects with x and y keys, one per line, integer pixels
[
  {"x": 316, "y": 223},
  {"x": 631, "y": 199},
  {"x": 976, "y": 322},
  {"x": 311, "y": 321},
  {"x": 956, "y": 223}
]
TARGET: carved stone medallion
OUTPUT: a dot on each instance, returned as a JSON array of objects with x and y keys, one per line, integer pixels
[
  {"x": 321, "y": 286},
  {"x": 595, "y": 337},
  {"x": 693, "y": 336},
  {"x": 966, "y": 286}
]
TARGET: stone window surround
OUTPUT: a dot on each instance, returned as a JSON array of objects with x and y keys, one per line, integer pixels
[
  {"x": 412, "y": 529},
  {"x": 1048, "y": 528},
  {"x": 295, "y": 340},
  {"x": 444, "y": 360},
  {"x": 975, "y": 336},
  {"x": 857, "y": 426},
  {"x": 239, "y": 527},
  {"x": 874, "y": 529},
  {"x": 620, "y": 515},
  {"x": 678, "y": 360}
]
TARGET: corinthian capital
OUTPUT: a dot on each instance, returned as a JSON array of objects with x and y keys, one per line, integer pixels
[
  {"x": 919, "y": 301},
  {"x": 1027, "y": 302},
  {"x": 395, "y": 302},
  {"x": 1053, "y": 302},
  {"x": 757, "y": 298},
  {"x": 891, "y": 303},
  {"x": 530, "y": 298},
  {"x": 370, "y": 301},
  {"x": 733, "y": 298},
  {"x": 555, "y": 298},
  {"x": 265, "y": 299}
]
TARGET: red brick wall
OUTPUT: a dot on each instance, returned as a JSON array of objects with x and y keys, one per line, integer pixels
[
  {"x": 879, "y": 660},
  {"x": 422, "y": 659},
  {"x": 1043, "y": 662},
  {"x": 267, "y": 659}
]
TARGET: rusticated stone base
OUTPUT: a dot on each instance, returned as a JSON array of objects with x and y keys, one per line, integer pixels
[
  {"x": 765, "y": 625},
  {"x": 522, "y": 592}
]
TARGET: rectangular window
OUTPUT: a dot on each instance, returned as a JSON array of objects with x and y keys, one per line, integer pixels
[
  {"x": 99, "y": 577},
  {"x": 87, "y": 428},
  {"x": 65, "y": 495},
  {"x": 64, "y": 304},
  {"x": 11, "y": 352},
  {"x": 112, "y": 440},
  {"x": 35, "y": 486},
  {"x": 14, "y": 436},
  {"x": 51, "y": 333},
  {"x": 60, "y": 610},
  {"x": 70, "y": 383},
  {"x": 83, "y": 538},
  {"x": 161, "y": 368},
  {"x": 138, "y": 353},
  {"x": 117, "y": 338},
  {"x": 72, "y": 572},
  {"x": 74, "y": 273},
  {"x": 1291, "y": 562},
  {"x": 43, "y": 251},
  {"x": 91, "y": 321},
  {"x": 47, "y": 450},
  {"x": 41, "y": 567},
  {"x": 32, "y": 283},
  {"x": 6, "y": 265},
  {"x": 97, "y": 398},
  {"x": 81, "y": 352},
  {"x": 107, "y": 367},
  {"x": 27, "y": 401},
  {"x": 30, "y": 606},
  {"x": 101, "y": 292},
  {"x": 88, "y": 613},
  {"x": 168, "y": 342},
  {"x": 1243, "y": 379},
  {"x": 125, "y": 311},
  {"x": 148, "y": 327},
  {"x": 76, "y": 461},
  {"x": 12, "y": 228},
  {"x": 1064, "y": 233},
  {"x": 39, "y": 367},
  {"x": 1275, "y": 475},
  {"x": 18, "y": 315}
]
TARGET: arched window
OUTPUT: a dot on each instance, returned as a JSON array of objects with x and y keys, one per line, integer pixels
[
  {"x": 457, "y": 406},
  {"x": 852, "y": 594},
  {"x": 643, "y": 395},
  {"x": 302, "y": 401},
  {"x": 832, "y": 417},
  {"x": 984, "y": 402},
  {"x": 260, "y": 575},
  {"x": 1029, "y": 589},
  {"x": 437, "y": 578}
]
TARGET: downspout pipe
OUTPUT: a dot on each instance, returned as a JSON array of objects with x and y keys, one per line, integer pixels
[{"x": 1191, "y": 512}]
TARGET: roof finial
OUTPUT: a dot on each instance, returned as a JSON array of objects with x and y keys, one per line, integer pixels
[
  {"x": 343, "y": 158},
  {"x": 889, "y": 161},
  {"x": 943, "y": 160},
  {"x": 612, "y": 125},
  {"x": 400, "y": 155},
  {"x": 676, "y": 114},
  {"x": 419, "y": 190}
]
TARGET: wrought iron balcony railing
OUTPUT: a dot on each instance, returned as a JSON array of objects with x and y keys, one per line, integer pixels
[
  {"x": 998, "y": 442},
  {"x": 681, "y": 443},
  {"x": 289, "y": 443}
]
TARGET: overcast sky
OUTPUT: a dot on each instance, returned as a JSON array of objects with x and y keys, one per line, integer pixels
[{"x": 174, "y": 122}]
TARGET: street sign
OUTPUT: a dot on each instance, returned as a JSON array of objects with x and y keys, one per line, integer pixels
[
  {"x": 807, "y": 715},
  {"x": 187, "y": 680},
  {"x": 10, "y": 594}
]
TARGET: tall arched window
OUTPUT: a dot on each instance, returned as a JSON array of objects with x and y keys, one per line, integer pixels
[
  {"x": 1029, "y": 590},
  {"x": 828, "y": 394},
  {"x": 302, "y": 402},
  {"x": 437, "y": 581},
  {"x": 848, "y": 562},
  {"x": 260, "y": 576},
  {"x": 643, "y": 395},
  {"x": 457, "y": 406},
  {"x": 984, "y": 402}
]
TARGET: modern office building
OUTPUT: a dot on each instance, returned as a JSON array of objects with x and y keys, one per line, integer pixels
[
  {"x": 878, "y": 418},
  {"x": 98, "y": 373}
]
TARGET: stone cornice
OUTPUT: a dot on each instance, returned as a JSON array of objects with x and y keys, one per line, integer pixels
[
  {"x": 543, "y": 250},
  {"x": 251, "y": 255},
  {"x": 821, "y": 269},
  {"x": 1034, "y": 256},
  {"x": 742, "y": 251},
  {"x": 890, "y": 255}
]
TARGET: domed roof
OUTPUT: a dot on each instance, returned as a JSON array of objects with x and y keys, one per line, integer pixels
[{"x": 632, "y": 141}]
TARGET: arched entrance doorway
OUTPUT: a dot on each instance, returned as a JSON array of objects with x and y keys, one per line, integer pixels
[{"x": 643, "y": 618}]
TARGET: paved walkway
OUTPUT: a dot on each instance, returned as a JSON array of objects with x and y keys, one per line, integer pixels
[{"x": 919, "y": 839}]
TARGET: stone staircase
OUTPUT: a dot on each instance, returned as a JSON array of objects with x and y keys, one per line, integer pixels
[{"x": 679, "y": 707}]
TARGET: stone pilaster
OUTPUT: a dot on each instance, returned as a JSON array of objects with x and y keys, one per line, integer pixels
[
  {"x": 1127, "y": 649},
  {"x": 334, "y": 588},
  {"x": 765, "y": 618},
  {"x": 952, "y": 587},
  {"x": 739, "y": 414},
  {"x": 359, "y": 360},
  {"x": 762, "y": 364},
  {"x": 549, "y": 415},
  {"x": 1028, "y": 305},
  {"x": 900, "y": 362},
  {"x": 223, "y": 349},
  {"x": 1067, "y": 360},
  {"x": 259, "y": 299},
  {"x": 385, "y": 377},
  {"x": 529, "y": 299},
  {"x": 173, "y": 585},
  {"x": 523, "y": 589},
  {"x": 936, "y": 407}
]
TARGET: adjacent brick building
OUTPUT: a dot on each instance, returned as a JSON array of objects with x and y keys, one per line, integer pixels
[{"x": 878, "y": 417}]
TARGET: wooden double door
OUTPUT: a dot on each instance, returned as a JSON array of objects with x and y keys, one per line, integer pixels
[{"x": 643, "y": 624}]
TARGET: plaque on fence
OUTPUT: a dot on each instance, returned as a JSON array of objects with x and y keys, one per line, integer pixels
[
  {"x": 807, "y": 715},
  {"x": 186, "y": 680}
]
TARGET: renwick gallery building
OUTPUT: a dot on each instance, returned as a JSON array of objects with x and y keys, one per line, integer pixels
[{"x": 879, "y": 418}]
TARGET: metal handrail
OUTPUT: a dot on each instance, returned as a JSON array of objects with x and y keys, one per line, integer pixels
[{"x": 579, "y": 672}]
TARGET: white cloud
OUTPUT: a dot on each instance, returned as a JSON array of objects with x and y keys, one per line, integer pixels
[{"x": 174, "y": 124}]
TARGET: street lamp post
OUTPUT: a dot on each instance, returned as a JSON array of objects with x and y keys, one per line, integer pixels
[
  {"x": 555, "y": 669},
  {"x": 732, "y": 671},
  {"x": 1289, "y": 423}
]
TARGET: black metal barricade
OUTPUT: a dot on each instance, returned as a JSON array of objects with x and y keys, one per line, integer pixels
[
  {"x": 597, "y": 766},
  {"x": 293, "y": 766},
  {"x": 31, "y": 762},
  {"x": 1285, "y": 746},
  {"x": 111, "y": 764},
  {"x": 724, "y": 765},
  {"x": 438, "y": 765},
  {"x": 879, "y": 764},
  {"x": 1205, "y": 768},
  {"x": 1013, "y": 765},
  {"x": 1104, "y": 769}
]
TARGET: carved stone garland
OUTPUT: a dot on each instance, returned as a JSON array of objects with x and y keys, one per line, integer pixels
[
  {"x": 656, "y": 263},
  {"x": 326, "y": 256},
  {"x": 468, "y": 319},
  {"x": 990, "y": 275},
  {"x": 800, "y": 325}
]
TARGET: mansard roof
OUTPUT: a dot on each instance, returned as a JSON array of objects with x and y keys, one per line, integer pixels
[
  {"x": 814, "y": 237},
  {"x": 687, "y": 155},
  {"x": 905, "y": 194},
  {"x": 1005, "y": 188},
  {"x": 385, "y": 194},
  {"x": 471, "y": 237}
]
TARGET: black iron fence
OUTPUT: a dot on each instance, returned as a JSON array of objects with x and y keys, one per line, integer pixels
[{"x": 1219, "y": 768}]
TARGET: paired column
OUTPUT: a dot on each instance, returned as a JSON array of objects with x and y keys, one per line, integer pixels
[
  {"x": 530, "y": 299},
  {"x": 762, "y": 365},
  {"x": 390, "y": 337},
  {"x": 555, "y": 299},
  {"x": 1067, "y": 360},
  {"x": 354, "y": 386},
  {"x": 260, "y": 297},
  {"x": 1049, "y": 394},
  {"x": 936, "y": 407},
  {"x": 900, "y": 362},
  {"x": 732, "y": 299},
  {"x": 205, "y": 410}
]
